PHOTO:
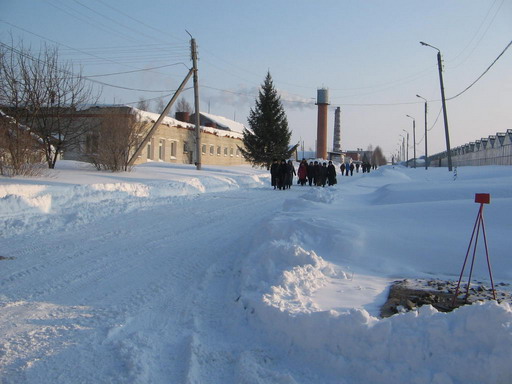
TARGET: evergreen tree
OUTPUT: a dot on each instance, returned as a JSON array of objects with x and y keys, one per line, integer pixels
[{"x": 268, "y": 137}]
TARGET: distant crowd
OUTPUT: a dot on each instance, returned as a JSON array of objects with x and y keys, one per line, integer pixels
[{"x": 315, "y": 173}]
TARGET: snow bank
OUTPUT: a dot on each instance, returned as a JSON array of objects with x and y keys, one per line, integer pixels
[
  {"x": 30, "y": 204},
  {"x": 288, "y": 267}
]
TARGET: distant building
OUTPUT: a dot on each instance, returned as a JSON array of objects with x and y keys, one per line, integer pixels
[{"x": 173, "y": 141}]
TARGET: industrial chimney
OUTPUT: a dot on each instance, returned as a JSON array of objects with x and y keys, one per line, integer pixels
[
  {"x": 336, "y": 145},
  {"x": 322, "y": 101}
]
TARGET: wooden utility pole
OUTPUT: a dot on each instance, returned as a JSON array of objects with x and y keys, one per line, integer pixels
[
  {"x": 196, "y": 103},
  {"x": 159, "y": 120}
]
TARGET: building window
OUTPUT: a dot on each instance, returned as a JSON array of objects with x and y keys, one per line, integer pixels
[
  {"x": 219, "y": 151},
  {"x": 203, "y": 149},
  {"x": 212, "y": 150},
  {"x": 92, "y": 143},
  {"x": 149, "y": 154},
  {"x": 185, "y": 147},
  {"x": 237, "y": 152},
  {"x": 161, "y": 150},
  {"x": 225, "y": 151},
  {"x": 231, "y": 152},
  {"x": 174, "y": 144}
]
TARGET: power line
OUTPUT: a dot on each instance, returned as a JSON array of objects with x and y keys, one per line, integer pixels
[
  {"x": 136, "y": 20},
  {"x": 478, "y": 30},
  {"x": 136, "y": 70},
  {"x": 109, "y": 18},
  {"x": 102, "y": 59},
  {"x": 84, "y": 77},
  {"x": 153, "y": 98},
  {"x": 479, "y": 77}
]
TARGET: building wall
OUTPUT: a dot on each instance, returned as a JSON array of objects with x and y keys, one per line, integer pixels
[
  {"x": 175, "y": 144},
  {"x": 172, "y": 143}
]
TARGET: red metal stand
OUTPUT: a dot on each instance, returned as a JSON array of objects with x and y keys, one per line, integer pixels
[{"x": 482, "y": 198}]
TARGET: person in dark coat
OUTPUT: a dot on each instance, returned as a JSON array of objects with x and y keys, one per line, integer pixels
[
  {"x": 290, "y": 172},
  {"x": 342, "y": 168},
  {"x": 281, "y": 174},
  {"x": 331, "y": 174},
  {"x": 316, "y": 174},
  {"x": 357, "y": 167},
  {"x": 311, "y": 173},
  {"x": 273, "y": 173},
  {"x": 323, "y": 174},
  {"x": 351, "y": 169},
  {"x": 302, "y": 173}
]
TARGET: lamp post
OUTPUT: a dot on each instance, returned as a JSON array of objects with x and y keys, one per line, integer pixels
[
  {"x": 445, "y": 116},
  {"x": 426, "y": 147},
  {"x": 407, "y": 149},
  {"x": 413, "y": 139}
]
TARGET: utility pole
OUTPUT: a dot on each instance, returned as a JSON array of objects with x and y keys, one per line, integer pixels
[
  {"x": 164, "y": 113},
  {"x": 445, "y": 115},
  {"x": 426, "y": 131},
  {"x": 407, "y": 149},
  {"x": 196, "y": 101},
  {"x": 413, "y": 140}
]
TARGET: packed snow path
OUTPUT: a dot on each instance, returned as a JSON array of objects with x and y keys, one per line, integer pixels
[
  {"x": 166, "y": 276},
  {"x": 132, "y": 296}
]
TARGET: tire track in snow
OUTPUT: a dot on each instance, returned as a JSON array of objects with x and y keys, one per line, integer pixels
[{"x": 134, "y": 318}]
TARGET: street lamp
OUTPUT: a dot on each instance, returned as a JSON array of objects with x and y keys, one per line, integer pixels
[
  {"x": 407, "y": 149},
  {"x": 426, "y": 152},
  {"x": 446, "y": 132},
  {"x": 413, "y": 139}
]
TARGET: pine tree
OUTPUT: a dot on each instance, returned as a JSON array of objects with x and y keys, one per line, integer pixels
[{"x": 268, "y": 137}]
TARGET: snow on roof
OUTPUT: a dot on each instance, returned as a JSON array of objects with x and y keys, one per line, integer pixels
[
  {"x": 235, "y": 130},
  {"x": 12, "y": 120},
  {"x": 225, "y": 122},
  {"x": 150, "y": 116}
]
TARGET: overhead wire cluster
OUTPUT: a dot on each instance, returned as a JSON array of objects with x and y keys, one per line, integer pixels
[{"x": 162, "y": 54}]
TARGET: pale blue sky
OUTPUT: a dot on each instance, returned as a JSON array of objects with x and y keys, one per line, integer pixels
[{"x": 366, "y": 52}]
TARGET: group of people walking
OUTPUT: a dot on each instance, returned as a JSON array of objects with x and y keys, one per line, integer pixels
[
  {"x": 315, "y": 173},
  {"x": 282, "y": 174}
]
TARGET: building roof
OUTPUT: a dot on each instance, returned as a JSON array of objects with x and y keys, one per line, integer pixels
[
  {"x": 224, "y": 123},
  {"x": 227, "y": 127}
]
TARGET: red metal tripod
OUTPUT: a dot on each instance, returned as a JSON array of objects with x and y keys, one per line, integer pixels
[{"x": 482, "y": 198}]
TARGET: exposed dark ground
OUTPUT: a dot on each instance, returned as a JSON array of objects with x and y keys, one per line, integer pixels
[{"x": 409, "y": 294}]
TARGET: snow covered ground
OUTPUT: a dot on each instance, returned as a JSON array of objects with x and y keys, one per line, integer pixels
[{"x": 171, "y": 275}]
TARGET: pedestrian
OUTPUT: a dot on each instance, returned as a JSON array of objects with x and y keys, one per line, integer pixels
[
  {"x": 342, "y": 167},
  {"x": 347, "y": 167},
  {"x": 351, "y": 169},
  {"x": 331, "y": 173},
  {"x": 281, "y": 174},
  {"x": 273, "y": 173},
  {"x": 357, "y": 167},
  {"x": 323, "y": 175},
  {"x": 290, "y": 172},
  {"x": 302, "y": 173},
  {"x": 316, "y": 175},
  {"x": 311, "y": 172}
]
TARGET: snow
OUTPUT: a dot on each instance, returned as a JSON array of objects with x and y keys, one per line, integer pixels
[
  {"x": 167, "y": 274},
  {"x": 235, "y": 131},
  {"x": 225, "y": 122}
]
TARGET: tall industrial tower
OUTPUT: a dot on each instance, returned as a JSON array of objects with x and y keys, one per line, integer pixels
[
  {"x": 322, "y": 100},
  {"x": 336, "y": 145}
]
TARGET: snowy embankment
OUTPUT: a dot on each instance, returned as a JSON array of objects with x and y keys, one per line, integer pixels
[
  {"x": 294, "y": 299},
  {"x": 411, "y": 224},
  {"x": 76, "y": 194}
]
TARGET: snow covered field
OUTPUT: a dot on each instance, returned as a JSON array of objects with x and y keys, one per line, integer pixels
[{"x": 171, "y": 275}]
